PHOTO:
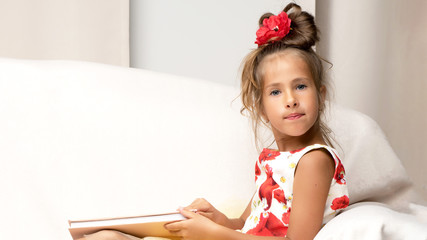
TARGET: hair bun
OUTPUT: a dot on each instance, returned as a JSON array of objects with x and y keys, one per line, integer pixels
[
  {"x": 264, "y": 16},
  {"x": 304, "y": 33}
]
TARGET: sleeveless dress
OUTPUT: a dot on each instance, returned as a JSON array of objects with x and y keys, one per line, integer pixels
[{"x": 272, "y": 202}]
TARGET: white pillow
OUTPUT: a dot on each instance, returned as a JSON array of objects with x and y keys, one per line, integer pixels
[
  {"x": 374, "y": 172},
  {"x": 373, "y": 221}
]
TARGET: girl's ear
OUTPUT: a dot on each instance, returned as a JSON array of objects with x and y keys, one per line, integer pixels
[
  {"x": 265, "y": 118},
  {"x": 323, "y": 93}
]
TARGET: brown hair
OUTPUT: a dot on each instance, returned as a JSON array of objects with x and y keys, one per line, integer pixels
[{"x": 301, "y": 38}]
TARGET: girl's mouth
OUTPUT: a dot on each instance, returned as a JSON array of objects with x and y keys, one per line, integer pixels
[{"x": 294, "y": 116}]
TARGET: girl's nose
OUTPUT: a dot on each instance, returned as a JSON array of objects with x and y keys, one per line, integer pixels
[
  {"x": 291, "y": 105},
  {"x": 291, "y": 102}
]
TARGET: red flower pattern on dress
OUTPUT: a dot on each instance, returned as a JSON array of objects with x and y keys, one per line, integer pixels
[
  {"x": 275, "y": 226},
  {"x": 268, "y": 154},
  {"x": 273, "y": 28},
  {"x": 340, "y": 203},
  {"x": 279, "y": 195},
  {"x": 339, "y": 174},
  {"x": 260, "y": 229},
  {"x": 257, "y": 171},
  {"x": 286, "y": 216},
  {"x": 269, "y": 225},
  {"x": 267, "y": 187}
]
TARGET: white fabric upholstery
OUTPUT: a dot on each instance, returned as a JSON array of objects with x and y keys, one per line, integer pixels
[
  {"x": 374, "y": 221},
  {"x": 374, "y": 172},
  {"x": 84, "y": 140}
]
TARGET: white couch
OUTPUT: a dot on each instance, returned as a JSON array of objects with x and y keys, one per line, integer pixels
[{"x": 84, "y": 140}]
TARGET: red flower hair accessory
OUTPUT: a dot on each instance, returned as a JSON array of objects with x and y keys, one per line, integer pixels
[{"x": 273, "y": 28}]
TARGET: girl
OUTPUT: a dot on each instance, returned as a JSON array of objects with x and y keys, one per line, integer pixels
[{"x": 301, "y": 185}]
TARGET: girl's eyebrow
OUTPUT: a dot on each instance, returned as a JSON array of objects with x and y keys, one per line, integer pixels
[
  {"x": 300, "y": 79},
  {"x": 277, "y": 84}
]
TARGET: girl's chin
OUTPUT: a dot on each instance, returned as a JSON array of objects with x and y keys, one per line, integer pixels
[{"x": 293, "y": 134}]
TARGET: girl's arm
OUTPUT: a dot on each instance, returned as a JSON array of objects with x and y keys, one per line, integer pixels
[
  {"x": 205, "y": 209},
  {"x": 312, "y": 181}
]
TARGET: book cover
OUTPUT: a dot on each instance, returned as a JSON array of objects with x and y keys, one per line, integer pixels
[{"x": 138, "y": 226}]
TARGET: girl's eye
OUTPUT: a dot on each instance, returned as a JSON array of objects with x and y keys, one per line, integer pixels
[
  {"x": 275, "y": 92},
  {"x": 301, "y": 87}
]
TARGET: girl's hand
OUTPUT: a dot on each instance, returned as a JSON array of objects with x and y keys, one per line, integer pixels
[
  {"x": 206, "y": 209},
  {"x": 195, "y": 227}
]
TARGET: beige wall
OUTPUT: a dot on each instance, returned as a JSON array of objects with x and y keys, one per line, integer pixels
[
  {"x": 379, "y": 52},
  {"x": 89, "y": 30}
]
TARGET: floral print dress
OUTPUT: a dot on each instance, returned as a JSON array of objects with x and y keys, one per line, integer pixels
[{"x": 274, "y": 177}]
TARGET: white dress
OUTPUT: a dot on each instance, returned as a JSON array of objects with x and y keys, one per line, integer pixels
[{"x": 274, "y": 177}]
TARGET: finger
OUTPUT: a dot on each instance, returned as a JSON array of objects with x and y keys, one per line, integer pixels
[
  {"x": 173, "y": 226},
  {"x": 200, "y": 204},
  {"x": 187, "y": 214},
  {"x": 191, "y": 209}
]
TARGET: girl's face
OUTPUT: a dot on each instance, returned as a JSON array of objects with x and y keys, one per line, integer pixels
[{"x": 289, "y": 97}]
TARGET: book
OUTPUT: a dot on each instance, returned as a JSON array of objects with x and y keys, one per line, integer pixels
[{"x": 138, "y": 226}]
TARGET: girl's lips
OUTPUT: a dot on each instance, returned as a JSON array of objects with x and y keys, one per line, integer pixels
[{"x": 294, "y": 116}]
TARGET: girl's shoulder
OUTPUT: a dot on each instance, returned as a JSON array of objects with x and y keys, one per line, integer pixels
[
  {"x": 321, "y": 153},
  {"x": 319, "y": 158},
  {"x": 326, "y": 158}
]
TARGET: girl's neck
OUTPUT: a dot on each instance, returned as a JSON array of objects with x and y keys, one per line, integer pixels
[{"x": 292, "y": 143}]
